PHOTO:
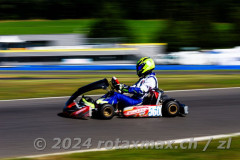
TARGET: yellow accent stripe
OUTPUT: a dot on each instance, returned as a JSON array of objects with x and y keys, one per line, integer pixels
[
  {"x": 142, "y": 44},
  {"x": 71, "y": 50},
  {"x": 88, "y": 103},
  {"x": 128, "y": 110}
]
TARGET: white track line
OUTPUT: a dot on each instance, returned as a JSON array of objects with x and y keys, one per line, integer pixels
[
  {"x": 204, "y": 89},
  {"x": 27, "y": 99},
  {"x": 187, "y": 90},
  {"x": 176, "y": 141}
]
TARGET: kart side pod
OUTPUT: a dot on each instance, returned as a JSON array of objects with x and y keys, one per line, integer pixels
[{"x": 143, "y": 111}]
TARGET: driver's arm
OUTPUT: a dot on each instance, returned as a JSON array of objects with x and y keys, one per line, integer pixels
[{"x": 149, "y": 83}]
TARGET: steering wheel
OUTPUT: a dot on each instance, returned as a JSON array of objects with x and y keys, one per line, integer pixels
[{"x": 115, "y": 84}]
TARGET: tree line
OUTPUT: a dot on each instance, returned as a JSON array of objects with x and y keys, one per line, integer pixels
[
  {"x": 189, "y": 23},
  {"x": 216, "y": 10}
]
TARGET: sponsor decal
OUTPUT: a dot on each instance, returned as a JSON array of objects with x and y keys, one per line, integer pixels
[
  {"x": 83, "y": 110},
  {"x": 140, "y": 111}
]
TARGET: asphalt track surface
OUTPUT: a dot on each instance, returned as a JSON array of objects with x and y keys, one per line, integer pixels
[{"x": 21, "y": 122}]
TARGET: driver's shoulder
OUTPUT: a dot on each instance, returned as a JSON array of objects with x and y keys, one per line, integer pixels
[{"x": 151, "y": 77}]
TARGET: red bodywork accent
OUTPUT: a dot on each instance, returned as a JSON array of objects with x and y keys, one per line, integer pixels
[
  {"x": 71, "y": 105},
  {"x": 156, "y": 94}
]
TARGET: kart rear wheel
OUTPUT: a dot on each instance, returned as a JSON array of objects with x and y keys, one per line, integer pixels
[
  {"x": 107, "y": 111},
  {"x": 170, "y": 109}
]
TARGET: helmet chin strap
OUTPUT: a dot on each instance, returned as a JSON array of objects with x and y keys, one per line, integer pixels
[{"x": 144, "y": 75}]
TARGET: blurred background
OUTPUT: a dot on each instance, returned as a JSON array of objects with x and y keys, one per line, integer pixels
[
  {"x": 43, "y": 32},
  {"x": 50, "y": 48}
]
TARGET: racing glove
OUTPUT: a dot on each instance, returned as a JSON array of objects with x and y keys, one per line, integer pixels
[{"x": 122, "y": 87}]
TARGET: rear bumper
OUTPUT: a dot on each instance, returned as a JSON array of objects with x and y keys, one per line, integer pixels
[{"x": 185, "y": 110}]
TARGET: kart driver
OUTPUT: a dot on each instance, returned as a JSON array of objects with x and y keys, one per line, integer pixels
[{"x": 147, "y": 81}]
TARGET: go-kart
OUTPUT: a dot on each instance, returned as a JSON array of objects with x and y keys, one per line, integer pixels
[{"x": 156, "y": 104}]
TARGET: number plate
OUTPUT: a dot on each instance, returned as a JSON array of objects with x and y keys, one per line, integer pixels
[{"x": 155, "y": 111}]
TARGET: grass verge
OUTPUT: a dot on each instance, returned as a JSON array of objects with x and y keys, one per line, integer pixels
[
  {"x": 143, "y": 30},
  {"x": 16, "y": 86}
]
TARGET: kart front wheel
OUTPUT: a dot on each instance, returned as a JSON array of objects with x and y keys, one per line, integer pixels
[
  {"x": 107, "y": 111},
  {"x": 170, "y": 109}
]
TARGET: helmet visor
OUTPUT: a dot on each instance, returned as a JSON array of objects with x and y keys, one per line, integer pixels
[{"x": 140, "y": 67}]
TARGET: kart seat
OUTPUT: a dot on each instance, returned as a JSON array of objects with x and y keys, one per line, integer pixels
[{"x": 152, "y": 98}]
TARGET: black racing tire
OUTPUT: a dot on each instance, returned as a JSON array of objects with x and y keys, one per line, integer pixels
[
  {"x": 95, "y": 114},
  {"x": 170, "y": 109},
  {"x": 107, "y": 111},
  {"x": 164, "y": 97}
]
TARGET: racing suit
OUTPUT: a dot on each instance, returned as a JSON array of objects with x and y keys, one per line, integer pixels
[{"x": 139, "y": 91}]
